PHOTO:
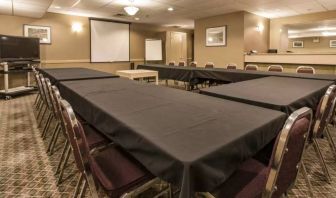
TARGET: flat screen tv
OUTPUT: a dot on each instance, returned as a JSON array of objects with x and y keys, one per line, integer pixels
[{"x": 15, "y": 48}]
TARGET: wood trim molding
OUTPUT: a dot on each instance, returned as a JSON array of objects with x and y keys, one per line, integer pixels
[{"x": 81, "y": 61}]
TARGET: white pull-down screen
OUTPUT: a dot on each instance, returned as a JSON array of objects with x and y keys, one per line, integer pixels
[{"x": 110, "y": 41}]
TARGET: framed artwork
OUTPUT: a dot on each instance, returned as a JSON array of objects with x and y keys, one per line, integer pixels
[
  {"x": 297, "y": 44},
  {"x": 216, "y": 36},
  {"x": 41, "y": 32},
  {"x": 332, "y": 43}
]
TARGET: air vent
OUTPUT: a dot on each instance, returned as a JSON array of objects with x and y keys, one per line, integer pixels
[{"x": 120, "y": 15}]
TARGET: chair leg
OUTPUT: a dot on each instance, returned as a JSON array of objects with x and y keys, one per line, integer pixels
[
  {"x": 55, "y": 141},
  {"x": 78, "y": 185},
  {"x": 43, "y": 114},
  {"x": 67, "y": 155},
  {"x": 331, "y": 142},
  {"x": 47, "y": 124},
  {"x": 91, "y": 184},
  {"x": 322, "y": 161},
  {"x": 38, "y": 104},
  {"x": 40, "y": 111},
  {"x": 305, "y": 175},
  {"x": 37, "y": 98},
  {"x": 83, "y": 189},
  {"x": 65, "y": 149},
  {"x": 56, "y": 130}
]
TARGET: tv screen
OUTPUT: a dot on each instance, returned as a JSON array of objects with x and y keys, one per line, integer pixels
[{"x": 19, "y": 48}]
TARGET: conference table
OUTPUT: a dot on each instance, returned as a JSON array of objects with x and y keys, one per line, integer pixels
[
  {"x": 197, "y": 74},
  {"x": 278, "y": 93},
  {"x": 57, "y": 75},
  {"x": 190, "y": 140}
]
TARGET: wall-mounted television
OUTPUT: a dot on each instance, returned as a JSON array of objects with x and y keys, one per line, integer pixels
[{"x": 15, "y": 48}]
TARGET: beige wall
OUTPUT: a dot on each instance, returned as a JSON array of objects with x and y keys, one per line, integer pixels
[
  {"x": 310, "y": 47},
  {"x": 241, "y": 36},
  {"x": 253, "y": 39},
  {"x": 276, "y": 25},
  {"x": 69, "y": 49},
  {"x": 220, "y": 56}
]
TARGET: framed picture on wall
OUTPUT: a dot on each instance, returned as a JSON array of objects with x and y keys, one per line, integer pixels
[
  {"x": 41, "y": 32},
  {"x": 332, "y": 43},
  {"x": 216, "y": 36},
  {"x": 297, "y": 44}
]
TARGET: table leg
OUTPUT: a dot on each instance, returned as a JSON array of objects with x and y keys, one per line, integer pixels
[
  {"x": 28, "y": 77},
  {"x": 6, "y": 77}
]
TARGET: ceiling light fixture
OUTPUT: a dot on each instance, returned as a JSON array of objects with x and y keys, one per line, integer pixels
[
  {"x": 170, "y": 9},
  {"x": 137, "y": 18},
  {"x": 131, "y": 10}
]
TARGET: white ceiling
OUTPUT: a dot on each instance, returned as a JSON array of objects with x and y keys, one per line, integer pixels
[
  {"x": 155, "y": 11},
  {"x": 28, "y": 8}
]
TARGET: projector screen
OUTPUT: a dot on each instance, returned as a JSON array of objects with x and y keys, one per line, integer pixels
[
  {"x": 153, "y": 50},
  {"x": 110, "y": 41}
]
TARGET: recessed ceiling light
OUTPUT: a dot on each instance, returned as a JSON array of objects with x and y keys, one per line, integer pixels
[
  {"x": 137, "y": 18},
  {"x": 57, "y": 7},
  {"x": 170, "y": 9}
]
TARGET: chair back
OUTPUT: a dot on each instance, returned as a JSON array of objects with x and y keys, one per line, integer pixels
[
  {"x": 171, "y": 63},
  {"x": 275, "y": 68},
  {"x": 181, "y": 64},
  {"x": 251, "y": 67},
  {"x": 305, "y": 70},
  {"x": 332, "y": 112},
  {"x": 51, "y": 98},
  {"x": 45, "y": 92},
  {"x": 57, "y": 98},
  {"x": 71, "y": 123},
  {"x": 193, "y": 64},
  {"x": 38, "y": 83},
  {"x": 231, "y": 66},
  {"x": 323, "y": 111},
  {"x": 209, "y": 65},
  {"x": 287, "y": 153}
]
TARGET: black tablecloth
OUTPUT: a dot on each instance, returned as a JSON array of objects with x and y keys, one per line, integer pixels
[
  {"x": 278, "y": 93},
  {"x": 56, "y": 75},
  {"x": 191, "y": 140},
  {"x": 189, "y": 74}
]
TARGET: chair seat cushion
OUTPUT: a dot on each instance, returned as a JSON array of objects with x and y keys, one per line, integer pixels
[
  {"x": 93, "y": 137},
  {"x": 118, "y": 172},
  {"x": 249, "y": 181}
]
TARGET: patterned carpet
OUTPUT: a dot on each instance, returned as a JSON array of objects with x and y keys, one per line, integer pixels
[{"x": 27, "y": 171}]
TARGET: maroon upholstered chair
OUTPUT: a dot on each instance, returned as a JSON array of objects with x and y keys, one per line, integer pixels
[
  {"x": 108, "y": 166},
  {"x": 231, "y": 66},
  {"x": 193, "y": 64},
  {"x": 209, "y": 65},
  {"x": 321, "y": 121},
  {"x": 94, "y": 138},
  {"x": 171, "y": 63},
  {"x": 49, "y": 106},
  {"x": 275, "y": 68},
  {"x": 251, "y": 67},
  {"x": 38, "y": 98},
  {"x": 254, "y": 179},
  {"x": 305, "y": 70},
  {"x": 41, "y": 99},
  {"x": 181, "y": 64}
]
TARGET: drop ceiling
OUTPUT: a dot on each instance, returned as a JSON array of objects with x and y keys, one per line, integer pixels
[{"x": 155, "y": 11}]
